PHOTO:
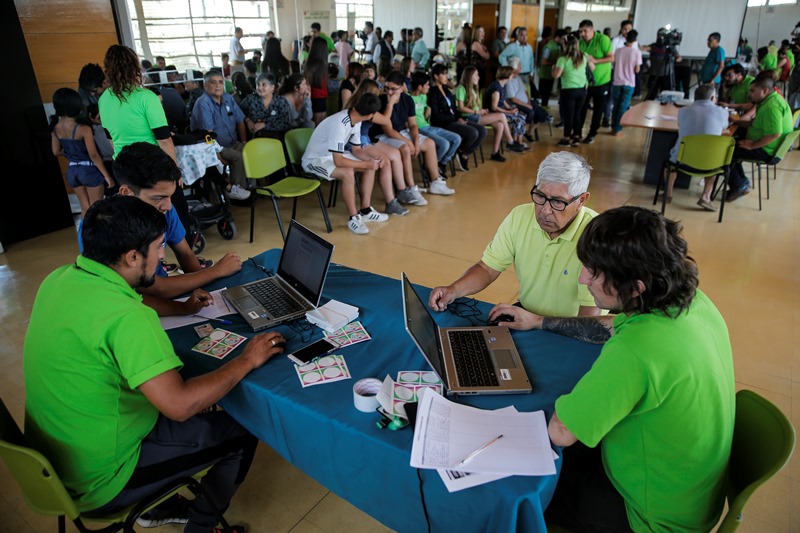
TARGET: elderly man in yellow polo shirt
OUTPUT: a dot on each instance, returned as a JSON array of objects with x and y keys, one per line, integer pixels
[{"x": 540, "y": 240}]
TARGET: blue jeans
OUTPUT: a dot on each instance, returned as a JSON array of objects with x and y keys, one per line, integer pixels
[
  {"x": 621, "y": 97},
  {"x": 447, "y": 142}
]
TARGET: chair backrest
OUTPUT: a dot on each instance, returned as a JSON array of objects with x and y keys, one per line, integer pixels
[
  {"x": 41, "y": 486},
  {"x": 262, "y": 157},
  {"x": 763, "y": 441},
  {"x": 296, "y": 142},
  {"x": 706, "y": 152},
  {"x": 786, "y": 143}
]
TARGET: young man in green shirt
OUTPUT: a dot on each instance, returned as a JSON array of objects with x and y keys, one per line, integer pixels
[
  {"x": 599, "y": 47},
  {"x": 738, "y": 83},
  {"x": 773, "y": 120},
  {"x": 104, "y": 400},
  {"x": 550, "y": 53},
  {"x": 655, "y": 413},
  {"x": 447, "y": 142}
]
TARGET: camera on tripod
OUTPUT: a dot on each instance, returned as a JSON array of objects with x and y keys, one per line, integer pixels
[
  {"x": 671, "y": 37},
  {"x": 361, "y": 35}
]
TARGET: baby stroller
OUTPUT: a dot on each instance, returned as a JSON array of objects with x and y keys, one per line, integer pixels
[{"x": 208, "y": 205}]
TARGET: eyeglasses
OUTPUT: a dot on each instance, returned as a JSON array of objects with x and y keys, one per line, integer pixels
[
  {"x": 392, "y": 89},
  {"x": 556, "y": 203}
]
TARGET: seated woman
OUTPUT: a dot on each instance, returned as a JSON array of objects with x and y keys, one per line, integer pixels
[
  {"x": 494, "y": 99},
  {"x": 354, "y": 73},
  {"x": 469, "y": 105},
  {"x": 297, "y": 92},
  {"x": 407, "y": 67},
  {"x": 402, "y": 176},
  {"x": 241, "y": 87},
  {"x": 265, "y": 112}
]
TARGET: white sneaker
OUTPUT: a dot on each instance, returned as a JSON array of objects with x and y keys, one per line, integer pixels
[
  {"x": 357, "y": 225},
  {"x": 438, "y": 186},
  {"x": 238, "y": 193},
  {"x": 418, "y": 198},
  {"x": 374, "y": 216}
]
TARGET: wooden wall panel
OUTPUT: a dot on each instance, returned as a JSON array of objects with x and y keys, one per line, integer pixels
[
  {"x": 528, "y": 16},
  {"x": 486, "y": 15},
  {"x": 65, "y": 16},
  {"x": 62, "y": 36}
]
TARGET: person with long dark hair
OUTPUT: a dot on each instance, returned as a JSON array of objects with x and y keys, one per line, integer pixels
[
  {"x": 296, "y": 91},
  {"x": 316, "y": 73},
  {"x": 130, "y": 112},
  {"x": 274, "y": 61},
  {"x": 241, "y": 87},
  {"x": 354, "y": 73}
]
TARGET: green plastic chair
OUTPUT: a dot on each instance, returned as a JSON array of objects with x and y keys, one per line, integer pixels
[
  {"x": 261, "y": 158},
  {"x": 45, "y": 493},
  {"x": 700, "y": 156},
  {"x": 763, "y": 442},
  {"x": 296, "y": 142},
  {"x": 780, "y": 153}
]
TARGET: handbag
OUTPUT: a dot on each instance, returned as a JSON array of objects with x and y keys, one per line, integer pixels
[
  {"x": 194, "y": 137},
  {"x": 589, "y": 74}
]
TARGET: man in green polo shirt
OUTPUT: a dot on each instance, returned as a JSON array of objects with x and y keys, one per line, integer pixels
[
  {"x": 598, "y": 46},
  {"x": 765, "y": 132},
  {"x": 738, "y": 84},
  {"x": 104, "y": 400},
  {"x": 539, "y": 240},
  {"x": 647, "y": 430}
]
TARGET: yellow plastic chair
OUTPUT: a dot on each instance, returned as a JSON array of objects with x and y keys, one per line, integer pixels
[
  {"x": 45, "y": 493},
  {"x": 296, "y": 142},
  {"x": 780, "y": 153},
  {"x": 700, "y": 156},
  {"x": 261, "y": 158},
  {"x": 763, "y": 442}
]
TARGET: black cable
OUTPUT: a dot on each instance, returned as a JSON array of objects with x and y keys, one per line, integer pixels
[
  {"x": 260, "y": 267},
  {"x": 467, "y": 308},
  {"x": 422, "y": 499}
]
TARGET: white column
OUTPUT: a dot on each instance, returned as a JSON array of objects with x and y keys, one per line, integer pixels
[{"x": 504, "y": 15}]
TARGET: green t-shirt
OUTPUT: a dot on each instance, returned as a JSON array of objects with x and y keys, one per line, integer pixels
[
  {"x": 461, "y": 96},
  {"x": 329, "y": 41},
  {"x": 571, "y": 77},
  {"x": 790, "y": 56},
  {"x": 661, "y": 399},
  {"x": 90, "y": 344},
  {"x": 599, "y": 47},
  {"x": 740, "y": 93},
  {"x": 550, "y": 52},
  {"x": 773, "y": 115},
  {"x": 547, "y": 269},
  {"x": 132, "y": 120},
  {"x": 420, "y": 103},
  {"x": 770, "y": 62}
]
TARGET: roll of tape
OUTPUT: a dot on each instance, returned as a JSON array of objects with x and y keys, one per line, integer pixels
[{"x": 365, "y": 394}]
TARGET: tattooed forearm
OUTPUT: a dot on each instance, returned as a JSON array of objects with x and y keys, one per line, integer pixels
[{"x": 593, "y": 329}]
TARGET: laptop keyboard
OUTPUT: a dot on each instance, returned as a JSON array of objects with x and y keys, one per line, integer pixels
[
  {"x": 474, "y": 365},
  {"x": 270, "y": 294}
]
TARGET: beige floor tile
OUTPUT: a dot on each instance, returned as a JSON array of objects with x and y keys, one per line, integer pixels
[
  {"x": 306, "y": 527},
  {"x": 335, "y": 515}
]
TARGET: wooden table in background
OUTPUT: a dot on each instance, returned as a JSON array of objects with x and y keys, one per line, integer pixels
[{"x": 661, "y": 136}]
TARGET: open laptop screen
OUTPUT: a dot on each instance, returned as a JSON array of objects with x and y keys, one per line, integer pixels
[
  {"x": 422, "y": 327},
  {"x": 304, "y": 261}
]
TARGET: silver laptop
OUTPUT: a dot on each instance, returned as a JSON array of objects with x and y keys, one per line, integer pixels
[
  {"x": 468, "y": 360},
  {"x": 294, "y": 290}
]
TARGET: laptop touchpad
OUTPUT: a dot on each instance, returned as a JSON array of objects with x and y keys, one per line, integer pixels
[
  {"x": 504, "y": 358},
  {"x": 247, "y": 303}
]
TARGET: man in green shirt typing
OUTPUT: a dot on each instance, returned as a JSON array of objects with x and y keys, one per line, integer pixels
[
  {"x": 539, "y": 240},
  {"x": 647, "y": 430},
  {"x": 738, "y": 83},
  {"x": 104, "y": 400},
  {"x": 765, "y": 132},
  {"x": 599, "y": 47}
]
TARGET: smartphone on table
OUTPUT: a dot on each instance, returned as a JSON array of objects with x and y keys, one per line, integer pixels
[{"x": 312, "y": 351}]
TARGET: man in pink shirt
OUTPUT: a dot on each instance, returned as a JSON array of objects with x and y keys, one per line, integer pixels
[{"x": 627, "y": 62}]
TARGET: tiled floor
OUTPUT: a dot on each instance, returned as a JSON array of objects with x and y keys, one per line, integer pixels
[{"x": 749, "y": 266}]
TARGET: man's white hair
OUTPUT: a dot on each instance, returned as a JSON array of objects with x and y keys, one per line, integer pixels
[
  {"x": 514, "y": 62},
  {"x": 568, "y": 168}
]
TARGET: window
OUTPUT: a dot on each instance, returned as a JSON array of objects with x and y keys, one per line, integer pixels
[
  {"x": 192, "y": 34},
  {"x": 353, "y": 14}
]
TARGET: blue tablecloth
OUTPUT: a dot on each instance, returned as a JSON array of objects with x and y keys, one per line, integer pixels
[{"x": 318, "y": 429}]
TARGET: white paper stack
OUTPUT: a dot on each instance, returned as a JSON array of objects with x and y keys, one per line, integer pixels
[{"x": 333, "y": 315}]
